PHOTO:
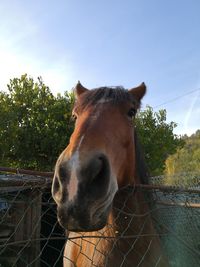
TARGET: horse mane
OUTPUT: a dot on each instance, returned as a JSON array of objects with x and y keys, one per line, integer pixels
[
  {"x": 113, "y": 94},
  {"x": 141, "y": 166}
]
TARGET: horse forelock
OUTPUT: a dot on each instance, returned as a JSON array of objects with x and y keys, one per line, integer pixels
[{"x": 114, "y": 95}]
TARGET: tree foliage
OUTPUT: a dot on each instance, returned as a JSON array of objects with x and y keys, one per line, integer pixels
[
  {"x": 186, "y": 159},
  {"x": 157, "y": 138},
  {"x": 36, "y": 126}
]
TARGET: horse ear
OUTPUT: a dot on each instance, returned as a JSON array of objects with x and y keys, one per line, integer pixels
[
  {"x": 139, "y": 91},
  {"x": 79, "y": 89}
]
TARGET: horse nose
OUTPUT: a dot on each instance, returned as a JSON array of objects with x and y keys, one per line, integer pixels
[
  {"x": 93, "y": 167},
  {"x": 76, "y": 187},
  {"x": 88, "y": 176}
]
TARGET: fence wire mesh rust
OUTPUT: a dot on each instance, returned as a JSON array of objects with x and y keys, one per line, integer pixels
[{"x": 31, "y": 236}]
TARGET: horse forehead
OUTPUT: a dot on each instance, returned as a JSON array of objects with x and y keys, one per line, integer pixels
[
  {"x": 97, "y": 121},
  {"x": 103, "y": 107},
  {"x": 94, "y": 123}
]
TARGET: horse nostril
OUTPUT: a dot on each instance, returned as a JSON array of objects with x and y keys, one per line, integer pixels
[
  {"x": 99, "y": 170},
  {"x": 95, "y": 168},
  {"x": 97, "y": 165},
  {"x": 60, "y": 181},
  {"x": 55, "y": 189},
  {"x": 55, "y": 185},
  {"x": 63, "y": 171}
]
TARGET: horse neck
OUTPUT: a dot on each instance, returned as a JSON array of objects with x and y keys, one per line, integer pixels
[
  {"x": 135, "y": 233},
  {"x": 129, "y": 238},
  {"x": 89, "y": 248}
]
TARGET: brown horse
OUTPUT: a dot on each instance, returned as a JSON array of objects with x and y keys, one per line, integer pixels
[{"x": 107, "y": 226}]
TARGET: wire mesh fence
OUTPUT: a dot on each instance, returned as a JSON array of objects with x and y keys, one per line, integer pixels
[{"x": 31, "y": 236}]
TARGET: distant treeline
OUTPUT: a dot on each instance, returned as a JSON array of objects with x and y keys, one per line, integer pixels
[{"x": 185, "y": 160}]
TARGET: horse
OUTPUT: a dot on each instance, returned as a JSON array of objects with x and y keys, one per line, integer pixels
[{"x": 107, "y": 223}]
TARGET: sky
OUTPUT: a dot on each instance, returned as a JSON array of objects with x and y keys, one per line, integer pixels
[{"x": 108, "y": 43}]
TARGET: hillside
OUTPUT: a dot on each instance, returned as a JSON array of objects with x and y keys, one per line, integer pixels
[{"x": 185, "y": 160}]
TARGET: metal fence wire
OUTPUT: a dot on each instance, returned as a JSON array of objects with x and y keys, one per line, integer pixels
[{"x": 31, "y": 236}]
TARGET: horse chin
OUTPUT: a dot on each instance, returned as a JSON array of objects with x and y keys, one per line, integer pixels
[
  {"x": 75, "y": 226},
  {"x": 91, "y": 228},
  {"x": 83, "y": 220}
]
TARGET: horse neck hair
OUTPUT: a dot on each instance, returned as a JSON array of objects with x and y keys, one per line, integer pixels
[{"x": 141, "y": 167}]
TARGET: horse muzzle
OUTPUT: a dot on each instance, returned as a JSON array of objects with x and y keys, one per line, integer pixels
[
  {"x": 81, "y": 222},
  {"x": 84, "y": 193}
]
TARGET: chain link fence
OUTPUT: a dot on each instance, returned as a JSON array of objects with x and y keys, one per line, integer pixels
[{"x": 31, "y": 236}]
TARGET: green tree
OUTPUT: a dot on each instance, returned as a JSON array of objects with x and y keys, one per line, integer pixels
[
  {"x": 35, "y": 125},
  {"x": 157, "y": 138}
]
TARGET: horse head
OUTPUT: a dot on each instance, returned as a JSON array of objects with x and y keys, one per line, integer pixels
[{"x": 100, "y": 157}]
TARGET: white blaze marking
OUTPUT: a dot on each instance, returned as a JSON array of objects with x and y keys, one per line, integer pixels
[
  {"x": 103, "y": 100},
  {"x": 73, "y": 184},
  {"x": 72, "y": 187}
]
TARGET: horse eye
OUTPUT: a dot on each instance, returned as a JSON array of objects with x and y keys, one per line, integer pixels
[{"x": 132, "y": 112}]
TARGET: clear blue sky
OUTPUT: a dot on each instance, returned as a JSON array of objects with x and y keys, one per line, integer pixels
[{"x": 108, "y": 43}]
